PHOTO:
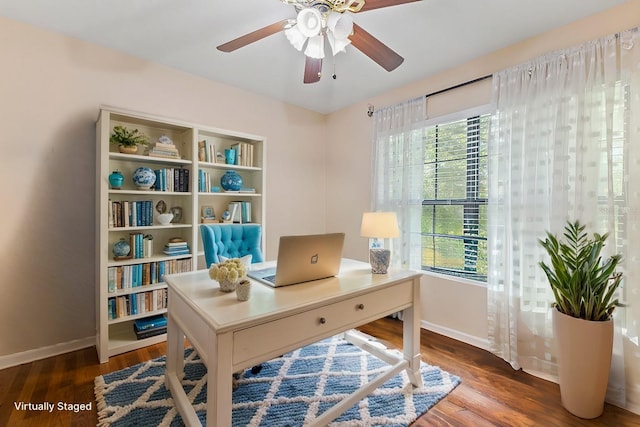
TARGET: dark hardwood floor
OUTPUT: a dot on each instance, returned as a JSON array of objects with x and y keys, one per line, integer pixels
[{"x": 491, "y": 393}]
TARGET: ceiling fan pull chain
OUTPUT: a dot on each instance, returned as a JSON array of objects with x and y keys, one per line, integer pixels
[{"x": 334, "y": 69}]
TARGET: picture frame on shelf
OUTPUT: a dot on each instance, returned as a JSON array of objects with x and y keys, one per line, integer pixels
[
  {"x": 177, "y": 214},
  {"x": 207, "y": 215}
]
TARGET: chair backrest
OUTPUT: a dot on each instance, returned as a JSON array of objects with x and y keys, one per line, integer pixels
[{"x": 231, "y": 241}]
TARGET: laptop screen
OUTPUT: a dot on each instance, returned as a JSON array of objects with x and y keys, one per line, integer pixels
[{"x": 304, "y": 258}]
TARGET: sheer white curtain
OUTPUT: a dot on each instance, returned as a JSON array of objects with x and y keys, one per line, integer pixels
[
  {"x": 398, "y": 173},
  {"x": 565, "y": 144}
]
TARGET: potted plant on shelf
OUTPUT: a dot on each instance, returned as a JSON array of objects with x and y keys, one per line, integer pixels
[
  {"x": 128, "y": 140},
  {"x": 584, "y": 287}
]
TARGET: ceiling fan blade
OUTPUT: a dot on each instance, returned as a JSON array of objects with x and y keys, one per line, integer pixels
[
  {"x": 378, "y": 4},
  {"x": 375, "y": 49},
  {"x": 254, "y": 36},
  {"x": 312, "y": 69}
]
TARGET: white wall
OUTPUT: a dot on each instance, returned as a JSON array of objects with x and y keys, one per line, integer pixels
[
  {"x": 50, "y": 92},
  {"x": 453, "y": 307}
]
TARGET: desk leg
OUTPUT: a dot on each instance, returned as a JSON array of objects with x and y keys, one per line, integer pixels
[
  {"x": 175, "y": 348},
  {"x": 219, "y": 379},
  {"x": 411, "y": 336},
  {"x": 175, "y": 372}
]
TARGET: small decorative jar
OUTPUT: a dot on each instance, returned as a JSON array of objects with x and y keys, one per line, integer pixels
[
  {"x": 231, "y": 181},
  {"x": 121, "y": 249},
  {"x": 144, "y": 178},
  {"x": 116, "y": 179},
  {"x": 243, "y": 290}
]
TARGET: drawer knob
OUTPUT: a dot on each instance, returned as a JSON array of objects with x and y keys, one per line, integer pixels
[
  {"x": 360, "y": 306},
  {"x": 323, "y": 320}
]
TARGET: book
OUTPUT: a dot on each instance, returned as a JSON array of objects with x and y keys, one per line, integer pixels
[
  {"x": 176, "y": 252},
  {"x": 150, "y": 322},
  {"x": 150, "y": 333},
  {"x": 234, "y": 210}
]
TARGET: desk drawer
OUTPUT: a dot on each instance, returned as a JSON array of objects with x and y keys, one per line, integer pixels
[{"x": 271, "y": 339}]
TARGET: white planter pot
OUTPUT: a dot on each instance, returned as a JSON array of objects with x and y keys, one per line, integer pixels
[{"x": 584, "y": 359}]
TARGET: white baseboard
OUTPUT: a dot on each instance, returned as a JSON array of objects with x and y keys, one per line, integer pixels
[
  {"x": 482, "y": 343},
  {"x": 43, "y": 352},
  {"x": 56, "y": 349}
]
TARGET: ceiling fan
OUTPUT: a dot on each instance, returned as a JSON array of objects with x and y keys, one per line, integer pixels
[{"x": 318, "y": 20}]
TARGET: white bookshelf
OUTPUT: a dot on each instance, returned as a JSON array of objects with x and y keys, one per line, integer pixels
[{"x": 115, "y": 334}]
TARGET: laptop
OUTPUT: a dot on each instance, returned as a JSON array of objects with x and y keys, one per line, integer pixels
[{"x": 303, "y": 259}]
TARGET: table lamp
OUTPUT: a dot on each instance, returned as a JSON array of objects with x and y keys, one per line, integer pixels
[{"x": 379, "y": 225}]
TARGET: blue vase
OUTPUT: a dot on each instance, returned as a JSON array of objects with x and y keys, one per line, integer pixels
[
  {"x": 144, "y": 178},
  {"x": 121, "y": 248},
  {"x": 116, "y": 179},
  {"x": 231, "y": 181}
]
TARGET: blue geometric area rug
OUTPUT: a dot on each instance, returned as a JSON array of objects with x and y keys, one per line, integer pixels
[{"x": 290, "y": 390}]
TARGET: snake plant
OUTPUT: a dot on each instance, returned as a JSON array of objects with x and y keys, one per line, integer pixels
[{"x": 583, "y": 284}]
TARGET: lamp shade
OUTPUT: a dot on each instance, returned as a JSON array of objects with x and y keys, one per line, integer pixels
[
  {"x": 337, "y": 45},
  {"x": 309, "y": 22},
  {"x": 381, "y": 225},
  {"x": 340, "y": 24},
  {"x": 315, "y": 47},
  {"x": 295, "y": 37}
]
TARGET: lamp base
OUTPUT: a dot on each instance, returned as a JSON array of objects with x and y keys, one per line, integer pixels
[{"x": 379, "y": 259}]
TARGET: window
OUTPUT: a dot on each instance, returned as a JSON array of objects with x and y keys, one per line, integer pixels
[{"x": 454, "y": 206}]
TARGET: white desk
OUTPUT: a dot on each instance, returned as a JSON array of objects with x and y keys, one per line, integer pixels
[{"x": 230, "y": 335}]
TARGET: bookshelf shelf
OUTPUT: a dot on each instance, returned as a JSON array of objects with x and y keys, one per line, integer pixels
[
  {"x": 137, "y": 289},
  {"x": 192, "y": 172},
  {"x": 151, "y": 193},
  {"x": 147, "y": 159},
  {"x": 151, "y": 227},
  {"x": 137, "y": 316}
]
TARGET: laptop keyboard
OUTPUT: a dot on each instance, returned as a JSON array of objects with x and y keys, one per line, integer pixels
[{"x": 271, "y": 279}]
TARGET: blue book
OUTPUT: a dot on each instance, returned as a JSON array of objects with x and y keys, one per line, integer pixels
[
  {"x": 161, "y": 271},
  {"x": 177, "y": 252},
  {"x": 150, "y": 322},
  {"x": 152, "y": 268},
  {"x": 134, "y": 304}
]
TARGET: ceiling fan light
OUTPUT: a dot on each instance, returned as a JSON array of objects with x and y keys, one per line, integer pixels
[
  {"x": 295, "y": 37},
  {"x": 340, "y": 24},
  {"x": 309, "y": 22},
  {"x": 315, "y": 47},
  {"x": 337, "y": 45}
]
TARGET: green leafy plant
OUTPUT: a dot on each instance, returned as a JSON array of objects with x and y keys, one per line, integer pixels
[
  {"x": 583, "y": 284},
  {"x": 129, "y": 138}
]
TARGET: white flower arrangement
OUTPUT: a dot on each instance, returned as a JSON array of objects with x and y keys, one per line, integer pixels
[{"x": 231, "y": 270}]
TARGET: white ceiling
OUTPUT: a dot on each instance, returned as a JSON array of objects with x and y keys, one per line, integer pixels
[{"x": 432, "y": 36}]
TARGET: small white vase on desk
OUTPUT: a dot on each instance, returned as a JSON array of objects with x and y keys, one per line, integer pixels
[{"x": 243, "y": 290}]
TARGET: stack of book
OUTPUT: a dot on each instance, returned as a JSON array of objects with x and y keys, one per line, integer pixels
[
  {"x": 163, "y": 149},
  {"x": 240, "y": 212},
  {"x": 207, "y": 151},
  {"x": 244, "y": 153},
  {"x": 150, "y": 326},
  {"x": 176, "y": 248}
]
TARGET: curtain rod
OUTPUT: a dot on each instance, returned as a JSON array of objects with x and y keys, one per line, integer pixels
[
  {"x": 371, "y": 107},
  {"x": 479, "y": 79}
]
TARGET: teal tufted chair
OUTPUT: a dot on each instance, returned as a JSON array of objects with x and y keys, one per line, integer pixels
[{"x": 231, "y": 241}]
